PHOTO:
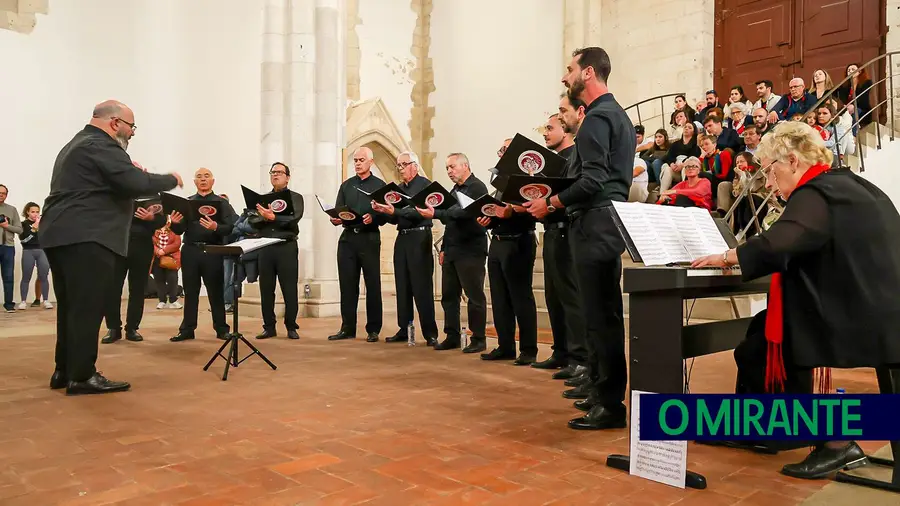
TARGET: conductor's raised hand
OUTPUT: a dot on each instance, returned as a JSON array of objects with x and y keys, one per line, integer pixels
[
  {"x": 484, "y": 221},
  {"x": 266, "y": 212},
  {"x": 176, "y": 217},
  {"x": 208, "y": 224},
  {"x": 427, "y": 213},
  {"x": 367, "y": 219},
  {"x": 178, "y": 178}
]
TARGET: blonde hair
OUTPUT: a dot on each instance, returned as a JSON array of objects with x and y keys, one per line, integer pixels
[{"x": 794, "y": 137}]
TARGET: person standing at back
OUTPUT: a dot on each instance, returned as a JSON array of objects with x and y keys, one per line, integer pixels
[
  {"x": 33, "y": 256},
  {"x": 84, "y": 229},
  {"x": 9, "y": 227}
]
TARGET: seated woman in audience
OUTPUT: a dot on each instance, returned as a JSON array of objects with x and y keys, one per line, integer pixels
[
  {"x": 654, "y": 156},
  {"x": 821, "y": 84},
  {"x": 694, "y": 191},
  {"x": 717, "y": 166},
  {"x": 681, "y": 105},
  {"x": 858, "y": 89},
  {"x": 737, "y": 97},
  {"x": 639, "y": 182},
  {"x": 745, "y": 168},
  {"x": 683, "y": 147},
  {"x": 166, "y": 263},
  {"x": 835, "y": 135},
  {"x": 740, "y": 118},
  {"x": 33, "y": 256}
]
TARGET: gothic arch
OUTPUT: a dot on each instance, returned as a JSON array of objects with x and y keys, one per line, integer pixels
[{"x": 370, "y": 124}]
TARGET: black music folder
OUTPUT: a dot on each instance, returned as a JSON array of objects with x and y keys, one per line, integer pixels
[
  {"x": 192, "y": 210},
  {"x": 389, "y": 194},
  {"x": 658, "y": 234},
  {"x": 343, "y": 213},
  {"x": 281, "y": 201},
  {"x": 434, "y": 195},
  {"x": 524, "y": 156},
  {"x": 482, "y": 207},
  {"x": 152, "y": 204},
  {"x": 522, "y": 188}
]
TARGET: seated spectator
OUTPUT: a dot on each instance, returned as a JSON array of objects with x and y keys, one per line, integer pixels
[
  {"x": 857, "y": 89},
  {"x": 744, "y": 169},
  {"x": 809, "y": 118},
  {"x": 694, "y": 191},
  {"x": 736, "y": 96},
  {"x": 681, "y": 105},
  {"x": 727, "y": 137},
  {"x": 655, "y": 155},
  {"x": 798, "y": 100},
  {"x": 739, "y": 118},
  {"x": 639, "y": 191},
  {"x": 33, "y": 256},
  {"x": 682, "y": 148},
  {"x": 766, "y": 99},
  {"x": 166, "y": 263},
  {"x": 821, "y": 84},
  {"x": 717, "y": 166},
  {"x": 712, "y": 102},
  {"x": 642, "y": 144},
  {"x": 761, "y": 121},
  {"x": 835, "y": 135},
  {"x": 751, "y": 138}
]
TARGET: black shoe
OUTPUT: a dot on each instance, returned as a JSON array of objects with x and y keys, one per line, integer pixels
[
  {"x": 372, "y": 337},
  {"x": 182, "y": 336},
  {"x": 579, "y": 380},
  {"x": 824, "y": 461},
  {"x": 599, "y": 418},
  {"x": 449, "y": 343},
  {"x": 133, "y": 336},
  {"x": 524, "y": 359},
  {"x": 58, "y": 380},
  {"x": 292, "y": 334},
  {"x": 580, "y": 392},
  {"x": 341, "y": 335},
  {"x": 497, "y": 354},
  {"x": 397, "y": 338},
  {"x": 475, "y": 346},
  {"x": 266, "y": 333},
  {"x": 554, "y": 362},
  {"x": 587, "y": 404},
  {"x": 97, "y": 384},
  {"x": 431, "y": 341},
  {"x": 570, "y": 371},
  {"x": 36, "y": 303},
  {"x": 223, "y": 335},
  {"x": 111, "y": 336}
]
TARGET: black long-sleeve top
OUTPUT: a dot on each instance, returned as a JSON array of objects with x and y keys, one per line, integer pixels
[
  {"x": 679, "y": 148},
  {"x": 283, "y": 227},
  {"x": 360, "y": 203},
  {"x": 29, "y": 237},
  {"x": 463, "y": 236},
  {"x": 92, "y": 192},
  {"x": 195, "y": 233},
  {"x": 604, "y": 159},
  {"x": 408, "y": 217}
]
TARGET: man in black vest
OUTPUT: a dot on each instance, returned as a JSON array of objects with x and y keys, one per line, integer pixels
[
  {"x": 359, "y": 250},
  {"x": 279, "y": 260},
  {"x": 413, "y": 260},
  {"x": 603, "y": 165},
  {"x": 84, "y": 229},
  {"x": 196, "y": 265}
]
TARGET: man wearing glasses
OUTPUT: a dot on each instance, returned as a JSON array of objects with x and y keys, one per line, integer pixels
[
  {"x": 279, "y": 260},
  {"x": 413, "y": 260}
]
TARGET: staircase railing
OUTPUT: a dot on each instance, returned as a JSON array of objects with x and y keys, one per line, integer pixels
[{"x": 662, "y": 108}]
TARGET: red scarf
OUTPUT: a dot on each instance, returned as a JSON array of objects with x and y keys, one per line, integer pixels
[{"x": 775, "y": 373}]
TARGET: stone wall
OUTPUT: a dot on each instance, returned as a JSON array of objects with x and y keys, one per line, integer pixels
[{"x": 21, "y": 15}]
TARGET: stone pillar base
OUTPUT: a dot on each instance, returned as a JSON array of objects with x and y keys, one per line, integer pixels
[{"x": 323, "y": 300}]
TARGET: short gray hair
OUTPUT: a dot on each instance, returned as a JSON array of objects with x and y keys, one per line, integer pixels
[
  {"x": 462, "y": 158},
  {"x": 412, "y": 157},
  {"x": 107, "y": 110},
  {"x": 692, "y": 159}
]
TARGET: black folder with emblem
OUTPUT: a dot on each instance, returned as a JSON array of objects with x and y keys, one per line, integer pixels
[
  {"x": 389, "y": 194},
  {"x": 485, "y": 206},
  {"x": 521, "y": 188},
  {"x": 343, "y": 213},
  {"x": 192, "y": 210},
  {"x": 151, "y": 203},
  {"x": 434, "y": 195},
  {"x": 526, "y": 157},
  {"x": 281, "y": 201}
]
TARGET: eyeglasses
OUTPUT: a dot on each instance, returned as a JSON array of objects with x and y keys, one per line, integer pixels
[
  {"x": 403, "y": 165},
  {"x": 275, "y": 172},
  {"x": 133, "y": 126}
]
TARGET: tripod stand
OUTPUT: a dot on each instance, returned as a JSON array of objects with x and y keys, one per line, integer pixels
[{"x": 233, "y": 338}]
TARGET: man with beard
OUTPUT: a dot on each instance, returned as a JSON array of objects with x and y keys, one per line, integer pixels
[
  {"x": 560, "y": 285},
  {"x": 413, "y": 259},
  {"x": 603, "y": 166},
  {"x": 84, "y": 229},
  {"x": 196, "y": 265},
  {"x": 761, "y": 121}
]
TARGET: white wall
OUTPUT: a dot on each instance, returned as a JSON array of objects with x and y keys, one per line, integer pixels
[
  {"x": 189, "y": 70},
  {"x": 497, "y": 71},
  {"x": 386, "y": 61}
]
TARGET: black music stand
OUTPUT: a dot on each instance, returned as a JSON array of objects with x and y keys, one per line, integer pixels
[{"x": 235, "y": 336}]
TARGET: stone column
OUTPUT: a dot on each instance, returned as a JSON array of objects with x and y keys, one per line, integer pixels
[
  {"x": 582, "y": 26},
  {"x": 274, "y": 86}
]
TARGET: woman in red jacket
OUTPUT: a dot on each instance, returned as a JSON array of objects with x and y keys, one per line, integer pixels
[
  {"x": 166, "y": 262},
  {"x": 694, "y": 191}
]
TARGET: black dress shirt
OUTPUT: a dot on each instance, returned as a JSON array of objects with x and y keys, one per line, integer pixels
[
  {"x": 463, "y": 236},
  {"x": 195, "y": 233},
  {"x": 359, "y": 202},
  {"x": 92, "y": 193},
  {"x": 284, "y": 226},
  {"x": 604, "y": 158},
  {"x": 560, "y": 215},
  {"x": 408, "y": 217}
]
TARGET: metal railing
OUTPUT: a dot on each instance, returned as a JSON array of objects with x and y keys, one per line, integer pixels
[{"x": 662, "y": 108}]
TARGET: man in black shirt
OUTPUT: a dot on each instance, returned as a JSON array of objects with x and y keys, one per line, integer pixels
[
  {"x": 279, "y": 260},
  {"x": 603, "y": 166},
  {"x": 510, "y": 267},
  {"x": 462, "y": 255},
  {"x": 359, "y": 249},
  {"x": 560, "y": 283},
  {"x": 136, "y": 266},
  {"x": 85, "y": 226},
  {"x": 196, "y": 265},
  {"x": 413, "y": 260}
]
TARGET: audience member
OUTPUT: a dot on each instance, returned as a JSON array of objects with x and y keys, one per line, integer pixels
[
  {"x": 33, "y": 256},
  {"x": 736, "y": 96},
  {"x": 717, "y": 164},
  {"x": 166, "y": 263},
  {"x": 766, "y": 99},
  {"x": 682, "y": 148},
  {"x": 855, "y": 93},
  {"x": 694, "y": 191},
  {"x": 821, "y": 84},
  {"x": 798, "y": 100},
  {"x": 640, "y": 178},
  {"x": 751, "y": 138},
  {"x": 728, "y": 138},
  {"x": 9, "y": 227}
]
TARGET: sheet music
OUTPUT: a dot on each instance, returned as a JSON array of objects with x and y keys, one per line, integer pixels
[
  {"x": 660, "y": 461},
  {"x": 325, "y": 207},
  {"x": 464, "y": 200},
  {"x": 248, "y": 245},
  {"x": 666, "y": 234}
]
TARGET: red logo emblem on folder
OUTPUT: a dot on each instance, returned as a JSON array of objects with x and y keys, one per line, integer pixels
[
  {"x": 155, "y": 208},
  {"x": 207, "y": 211},
  {"x": 489, "y": 210},
  {"x": 392, "y": 197},
  {"x": 434, "y": 199},
  {"x": 535, "y": 191},
  {"x": 346, "y": 215},
  {"x": 279, "y": 205},
  {"x": 531, "y": 162}
]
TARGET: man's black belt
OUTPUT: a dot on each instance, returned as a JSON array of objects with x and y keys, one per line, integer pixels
[
  {"x": 416, "y": 229},
  {"x": 507, "y": 237},
  {"x": 361, "y": 230},
  {"x": 556, "y": 225}
]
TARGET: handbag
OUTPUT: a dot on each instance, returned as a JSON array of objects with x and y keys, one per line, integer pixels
[{"x": 168, "y": 262}]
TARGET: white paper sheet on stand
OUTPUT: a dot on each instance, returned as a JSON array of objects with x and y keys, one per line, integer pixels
[{"x": 660, "y": 461}]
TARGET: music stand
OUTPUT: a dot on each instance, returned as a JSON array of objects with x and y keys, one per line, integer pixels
[{"x": 236, "y": 251}]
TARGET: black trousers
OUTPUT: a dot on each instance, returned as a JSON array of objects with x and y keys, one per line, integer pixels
[
  {"x": 136, "y": 266},
  {"x": 166, "y": 282},
  {"x": 510, "y": 267},
  {"x": 279, "y": 261},
  {"x": 197, "y": 266},
  {"x": 597, "y": 249},
  {"x": 360, "y": 252},
  {"x": 563, "y": 297},
  {"x": 82, "y": 276},
  {"x": 458, "y": 275},
  {"x": 414, "y": 278}
]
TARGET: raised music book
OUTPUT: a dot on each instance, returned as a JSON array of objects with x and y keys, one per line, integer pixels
[{"x": 664, "y": 235}]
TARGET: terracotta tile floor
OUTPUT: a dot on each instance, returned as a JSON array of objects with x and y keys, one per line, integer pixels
[{"x": 337, "y": 423}]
